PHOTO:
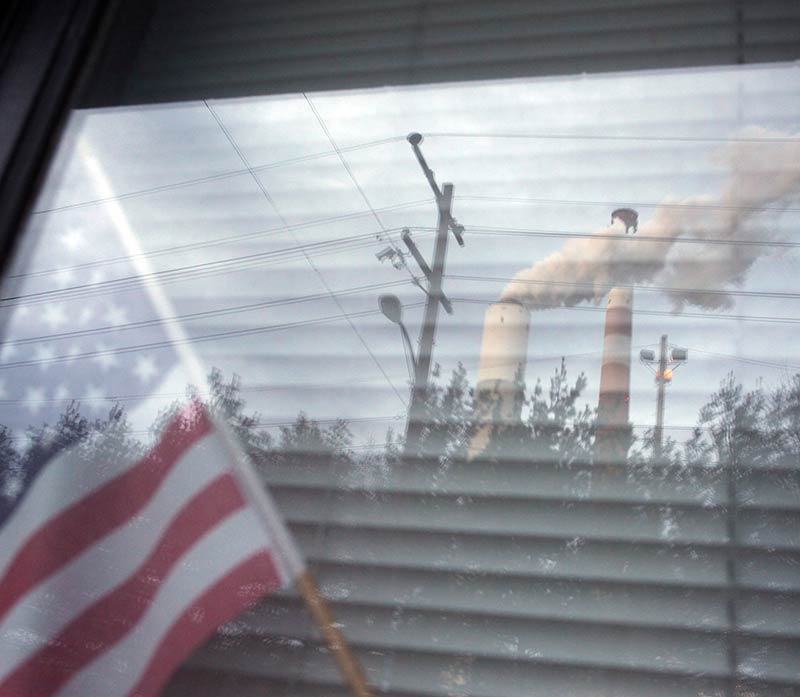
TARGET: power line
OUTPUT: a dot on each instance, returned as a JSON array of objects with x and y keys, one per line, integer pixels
[
  {"x": 308, "y": 258},
  {"x": 633, "y": 204},
  {"x": 191, "y": 272},
  {"x": 638, "y": 287},
  {"x": 392, "y": 139},
  {"x": 588, "y": 136},
  {"x": 200, "y": 315},
  {"x": 355, "y": 181},
  {"x": 745, "y": 359},
  {"x": 656, "y": 313},
  {"x": 228, "y": 334},
  {"x": 376, "y": 286},
  {"x": 542, "y": 232},
  {"x": 521, "y": 232},
  {"x": 214, "y": 177},
  {"x": 194, "y": 271},
  {"x": 303, "y": 250},
  {"x": 266, "y": 232},
  {"x": 342, "y": 159}
]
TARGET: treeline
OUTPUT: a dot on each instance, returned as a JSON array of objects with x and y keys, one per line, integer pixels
[{"x": 737, "y": 426}]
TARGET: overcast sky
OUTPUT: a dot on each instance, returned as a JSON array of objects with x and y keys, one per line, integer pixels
[{"x": 582, "y": 146}]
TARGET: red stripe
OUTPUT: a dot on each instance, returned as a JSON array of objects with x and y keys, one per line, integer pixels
[
  {"x": 229, "y": 596},
  {"x": 619, "y": 320},
  {"x": 103, "y": 624},
  {"x": 94, "y": 516}
]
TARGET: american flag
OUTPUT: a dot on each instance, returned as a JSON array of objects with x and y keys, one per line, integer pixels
[
  {"x": 113, "y": 567},
  {"x": 113, "y": 571},
  {"x": 78, "y": 324}
]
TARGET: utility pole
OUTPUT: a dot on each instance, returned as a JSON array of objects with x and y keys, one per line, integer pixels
[
  {"x": 435, "y": 297},
  {"x": 668, "y": 361},
  {"x": 661, "y": 383},
  {"x": 416, "y": 417}
]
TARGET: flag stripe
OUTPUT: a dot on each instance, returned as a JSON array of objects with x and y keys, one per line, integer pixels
[
  {"x": 61, "y": 481},
  {"x": 107, "y": 621},
  {"x": 117, "y": 671},
  {"x": 89, "y": 519},
  {"x": 47, "y": 609},
  {"x": 229, "y": 596}
]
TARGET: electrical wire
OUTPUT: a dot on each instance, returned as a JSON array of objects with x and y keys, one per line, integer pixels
[
  {"x": 389, "y": 284},
  {"x": 588, "y": 136},
  {"x": 745, "y": 359},
  {"x": 521, "y": 232},
  {"x": 214, "y": 177},
  {"x": 303, "y": 250},
  {"x": 632, "y": 204},
  {"x": 221, "y": 312},
  {"x": 192, "y": 271},
  {"x": 316, "y": 270},
  {"x": 355, "y": 181},
  {"x": 655, "y": 313},
  {"x": 266, "y": 232},
  {"x": 639, "y": 287},
  {"x": 228, "y": 334}
]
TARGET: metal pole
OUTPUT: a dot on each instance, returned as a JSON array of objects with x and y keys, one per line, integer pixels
[
  {"x": 658, "y": 435},
  {"x": 416, "y": 416}
]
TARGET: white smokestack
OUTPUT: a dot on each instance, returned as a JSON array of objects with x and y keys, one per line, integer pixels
[
  {"x": 504, "y": 347},
  {"x": 501, "y": 374},
  {"x": 760, "y": 173}
]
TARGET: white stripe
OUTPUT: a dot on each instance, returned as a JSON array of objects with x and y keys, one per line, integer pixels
[
  {"x": 116, "y": 672},
  {"x": 66, "y": 479},
  {"x": 290, "y": 561},
  {"x": 47, "y": 609},
  {"x": 617, "y": 349},
  {"x": 287, "y": 557}
]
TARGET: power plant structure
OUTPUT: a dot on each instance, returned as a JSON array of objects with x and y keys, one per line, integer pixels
[
  {"x": 499, "y": 392},
  {"x": 612, "y": 437},
  {"x": 500, "y": 386}
]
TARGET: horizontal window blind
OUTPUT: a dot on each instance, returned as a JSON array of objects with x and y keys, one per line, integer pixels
[
  {"x": 509, "y": 579},
  {"x": 203, "y": 49}
]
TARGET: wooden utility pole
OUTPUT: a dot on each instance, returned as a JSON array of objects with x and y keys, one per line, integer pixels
[
  {"x": 427, "y": 338},
  {"x": 416, "y": 415}
]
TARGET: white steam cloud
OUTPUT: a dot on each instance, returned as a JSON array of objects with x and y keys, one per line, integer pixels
[{"x": 724, "y": 228}]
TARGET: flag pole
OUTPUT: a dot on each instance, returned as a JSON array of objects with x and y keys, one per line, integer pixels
[
  {"x": 305, "y": 583},
  {"x": 348, "y": 664},
  {"x": 288, "y": 557}
]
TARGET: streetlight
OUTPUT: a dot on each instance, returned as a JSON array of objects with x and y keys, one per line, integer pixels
[
  {"x": 667, "y": 362},
  {"x": 392, "y": 309}
]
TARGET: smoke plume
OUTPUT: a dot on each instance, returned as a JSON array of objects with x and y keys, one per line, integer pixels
[{"x": 719, "y": 234}]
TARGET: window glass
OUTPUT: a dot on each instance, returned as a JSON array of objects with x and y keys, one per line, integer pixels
[{"x": 597, "y": 488}]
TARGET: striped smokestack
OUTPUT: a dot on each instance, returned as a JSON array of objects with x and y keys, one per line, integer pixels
[
  {"x": 501, "y": 374},
  {"x": 613, "y": 431}
]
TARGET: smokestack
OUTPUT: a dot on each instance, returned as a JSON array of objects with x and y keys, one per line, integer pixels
[
  {"x": 501, "y": 374},
  {"x": 612, "y": 437}
]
